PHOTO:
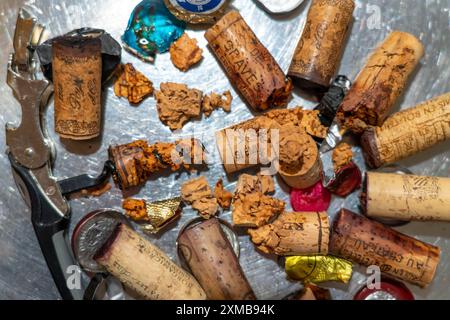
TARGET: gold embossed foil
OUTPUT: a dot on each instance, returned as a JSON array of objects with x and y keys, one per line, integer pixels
[
  {"x": 153, "y": 216},
  {"x": 316, "y": 269}
]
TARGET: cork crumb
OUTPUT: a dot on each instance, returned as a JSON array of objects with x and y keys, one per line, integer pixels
[
  {"x": 249, "y": 184},
  {"x": 176, "y": 104},
  {"x": 185, "y": 52},
  {"x": 198, "y": 194},
  {"x": 132, "y": 84},
  {"x": 135, "y": 209},
  {"x": 252, "y": 207},
  {"x": 307, "y": 120},
  {"x": 223, "y": 196},
  {"x": 256, "y": 209},
  {"x": 215, "y": 101},
  {"x": 92, "y": 192},
  {"x": 342, "y": 156}
]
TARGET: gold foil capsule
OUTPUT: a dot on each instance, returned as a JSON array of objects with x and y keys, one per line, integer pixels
[
  {"x": 316, "y": 269},
  {"x": 153, "y": 216}
]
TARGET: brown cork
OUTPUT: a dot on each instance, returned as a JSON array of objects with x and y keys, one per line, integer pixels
[
  {"x": 408, "y": 197},
  {"x": 145, "y": 269},
  {"x": 248, "y": 64},
  {"x": 367, "y": 242},
  {"x": 320, "y": 47},
  {"x": 213, "y": 262},
  {"x": 381, "y": 81},
  {"x": 77, "y": 75},
  {"x": 408, "y": 132},
  {"x": 300, "y": 165},
  {"x": 294, "y": 233},
  {"x": 127, "y": 171}
]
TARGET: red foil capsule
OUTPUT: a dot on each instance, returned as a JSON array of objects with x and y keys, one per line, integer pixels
[
  {"x": 348, "y": 179},
  {"x": 314, "y": 198},
  {"x": 389, "y": 290}
]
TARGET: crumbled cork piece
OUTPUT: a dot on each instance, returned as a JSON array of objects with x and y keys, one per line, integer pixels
[
  {"x": 132, "y": 84},
  {"x": 91, "y": 192},
  {"x": 308, "y": 120},
  {"x": 255, "y": 209},
  {"x": 248, "y": 184},
  {"x": 135, "y": 209},
  {"x": 251, "y": 206},
  {"x": 223, "y": 196},
  {"x": 176, "y": 104},
  {"x": 214, "y": 101},
  {"x": 198, "y": 194},
  {"x": 312, "y": 125},
  {"x": 342, "y": 155},
  {"x": 185, "y": 52},
  {"x": 97, "y": 191}
]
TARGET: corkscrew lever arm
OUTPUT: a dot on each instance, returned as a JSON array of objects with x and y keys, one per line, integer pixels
[{"x": 31, "y": 154}]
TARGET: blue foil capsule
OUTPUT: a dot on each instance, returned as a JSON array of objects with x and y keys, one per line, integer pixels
[{"x": 151, "y": 29}]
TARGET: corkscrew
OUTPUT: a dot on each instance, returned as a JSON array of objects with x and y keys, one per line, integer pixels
[{"x": 32, "y": 154}]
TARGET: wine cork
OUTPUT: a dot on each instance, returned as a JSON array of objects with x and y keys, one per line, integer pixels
[
  {"x": 127, "y": 171},
  {"x": 408, "y": 197},
  {"x": 248, "y": 64},
  {"x": 294, "y": 234},
  {"x": 320, "y": 47},
  {"x": 213, "y": 262},
  {"x": 77, "y": 78},
  {"x": 300, "y": 165},
  {"x": 241, "y": 146},
  {"x": 381, "y": 81},
  {"x": 367, "y": 242},
  {"x": 145, "y": 269},
  {"x": 408, "y": 132}
]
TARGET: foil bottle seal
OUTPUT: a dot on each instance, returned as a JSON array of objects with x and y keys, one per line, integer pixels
[
  {"x": 197, "y": 11},
  {"x": 388, "y": 289},
  {"x": 161, "y": 213},
  {"x": 316, "y": 269}
]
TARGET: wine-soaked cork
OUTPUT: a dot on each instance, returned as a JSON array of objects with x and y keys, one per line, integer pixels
[
  {"x": 294, "y": 234},
  {"x": 408, "y": 132},
  {"x": 381, "y": 81},
  {"x": 300, "y": 165},
  {"x": 77, "y": 79},
  {"x": 320, "y": 47},
  {"x": 368, "y": 243},
  {"x": 248, "y": 64},
  {"x": 213, "y": 262},
  {"x": 408, "y": 197},
  {"x": 145, "y": 269},
  {"x": 127, "y": 171}
]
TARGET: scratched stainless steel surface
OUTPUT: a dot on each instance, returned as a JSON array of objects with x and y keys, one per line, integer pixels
[{"x": 23, "y": 273}]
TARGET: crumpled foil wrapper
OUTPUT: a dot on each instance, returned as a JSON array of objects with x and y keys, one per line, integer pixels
[
  {"x": 316, "y": 269},
  {"x": 161, "y": 213}
]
